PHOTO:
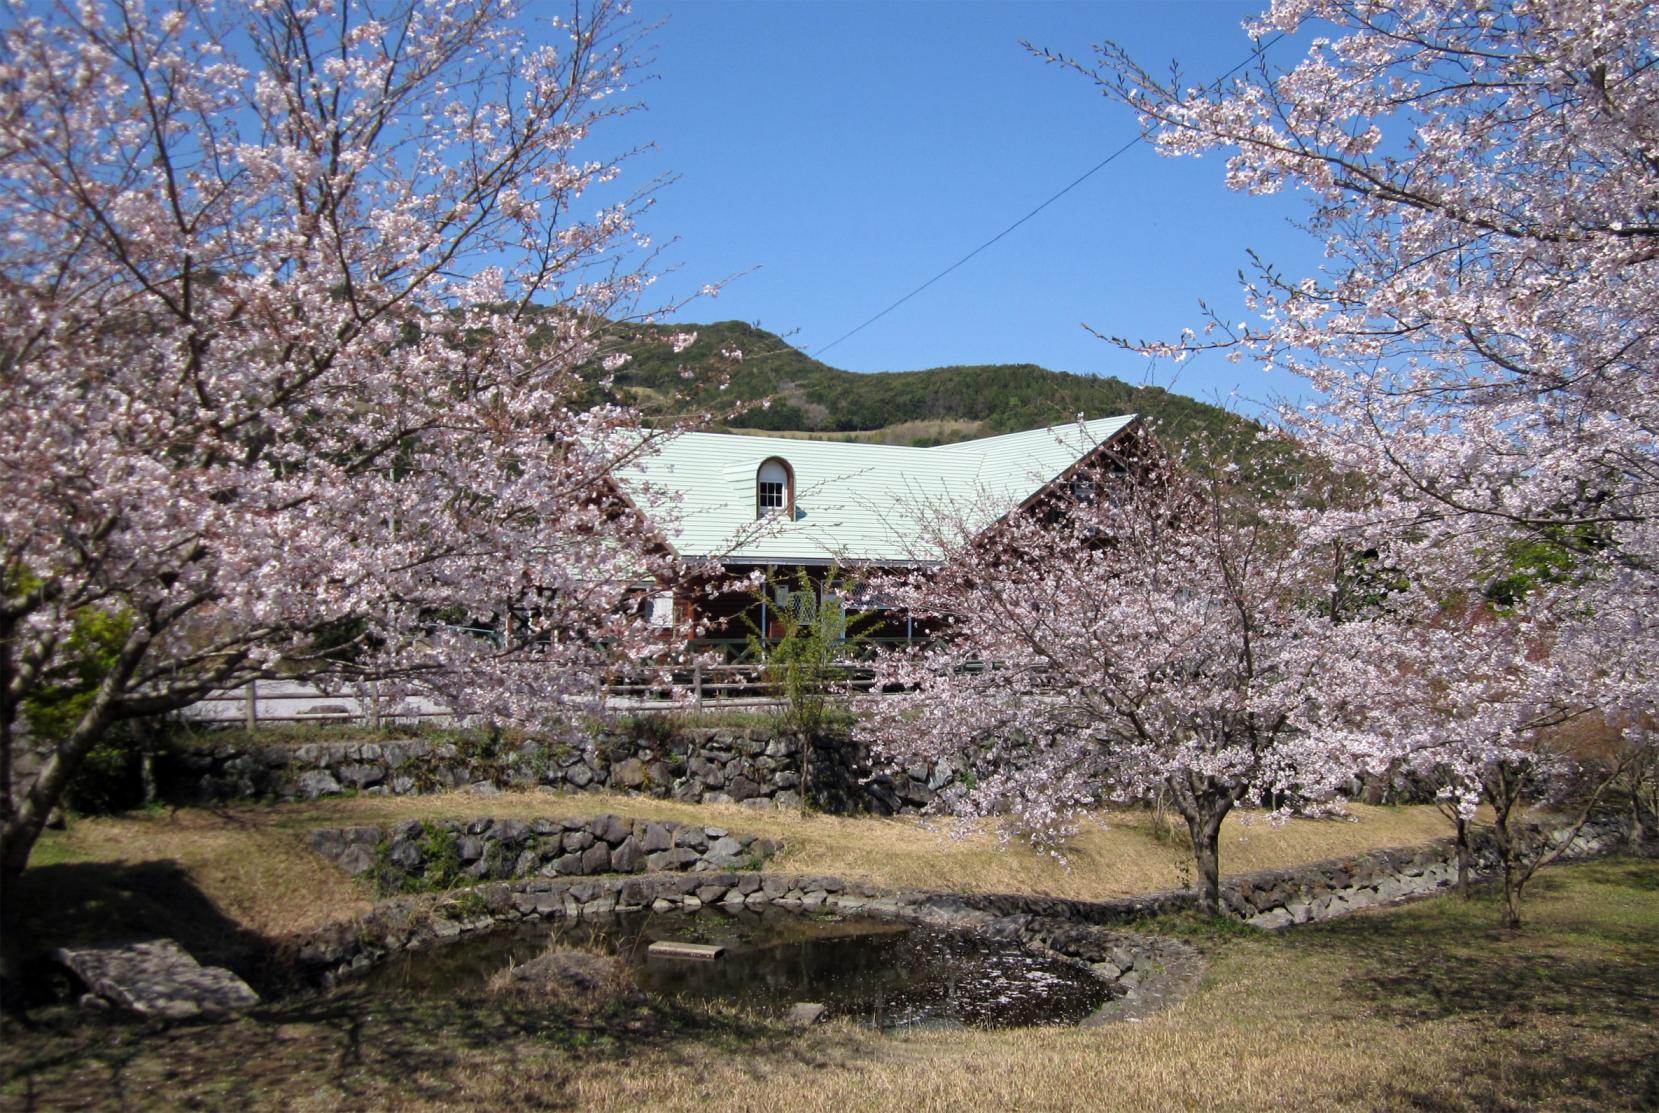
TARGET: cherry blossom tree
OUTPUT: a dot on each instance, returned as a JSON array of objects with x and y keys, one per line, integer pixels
[
  {"x": 297, "y": 302},
  {"x": 1497, "y": 708},
  {"x": 1480, "y": 345},
  {"x": 1153, "y": 628}
]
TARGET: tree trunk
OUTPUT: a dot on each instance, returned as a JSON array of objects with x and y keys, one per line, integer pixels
[
  {"x": 808, "y": 782},
  {"x": 24, "y": 821},
  {"x": 1512, "y": 882},
  {"x": 1204, "y": 818},
  {"x": 1509, "y": 855},
  {"x": 11, "y": 955},
  {"x": 8, "y": 713},
  {"x": 1504, "y": 792},
  {"x": 10, "y": 940},
  {"x": 1463, "y": 855}
]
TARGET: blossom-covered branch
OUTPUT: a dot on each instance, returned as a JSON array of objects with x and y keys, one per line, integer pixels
[
  {"x": 1148, "y": 627},
  {"x": 297, "y": 306}
]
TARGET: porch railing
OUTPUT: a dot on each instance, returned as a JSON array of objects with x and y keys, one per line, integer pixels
[{"x": 738, "y": 678}]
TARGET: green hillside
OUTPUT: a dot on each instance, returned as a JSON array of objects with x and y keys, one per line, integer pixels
[{"x": 905, "y": 407}]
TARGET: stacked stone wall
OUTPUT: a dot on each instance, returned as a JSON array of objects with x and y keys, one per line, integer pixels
[
  {"x": 754, "y": 766},
  {"x": 1322, "y": 890},
  {"x": 416, "y": 856}
]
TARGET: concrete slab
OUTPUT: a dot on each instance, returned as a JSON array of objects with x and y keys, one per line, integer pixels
[{"x": 158, "y": 978}]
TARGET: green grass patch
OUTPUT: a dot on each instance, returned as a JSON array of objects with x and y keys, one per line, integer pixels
[
  {"x": 56, "y": 848},
  {"x": 1196, "y": 926}
]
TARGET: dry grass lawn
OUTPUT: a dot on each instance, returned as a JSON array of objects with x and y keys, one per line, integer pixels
[
  {"x": 249, "y": 862},
  {"x": 1428, "y": 1006}
]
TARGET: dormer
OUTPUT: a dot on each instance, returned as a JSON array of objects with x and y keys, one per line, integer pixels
[{"x": 774, "y": 488}]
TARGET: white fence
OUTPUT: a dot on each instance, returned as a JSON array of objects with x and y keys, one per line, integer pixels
[{"x": 287, "y": 701}]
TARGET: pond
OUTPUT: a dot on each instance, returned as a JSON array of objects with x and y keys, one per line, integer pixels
[{"x": 878, "y": 972}]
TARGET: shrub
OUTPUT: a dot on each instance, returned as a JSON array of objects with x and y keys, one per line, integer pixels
[{"x": 443, "y": 856}]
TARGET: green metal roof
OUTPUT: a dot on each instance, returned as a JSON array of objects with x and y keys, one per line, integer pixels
[{"x": 854, "y": 503}]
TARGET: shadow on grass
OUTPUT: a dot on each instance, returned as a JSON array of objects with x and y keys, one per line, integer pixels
[
  {"x": 348, "y": 1048},
  {"x": 1572, "y": 997},
  {"x": 1450, "y": 957},
  {"x": 353, "y": 1048},
  {"x": 90, "y": 903}
]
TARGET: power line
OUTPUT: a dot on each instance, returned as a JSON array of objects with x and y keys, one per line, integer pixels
[{"x": 1085, "y": 176}]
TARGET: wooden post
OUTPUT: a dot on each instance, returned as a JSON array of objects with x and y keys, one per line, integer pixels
[
  {"x": 250, "y": 705},
  {"x": 697, "y": 686}
]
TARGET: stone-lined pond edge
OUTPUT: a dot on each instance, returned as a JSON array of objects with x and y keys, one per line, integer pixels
[
  {"x": 1124, "y": 959},
  {"x": 1148, "y": 972}
]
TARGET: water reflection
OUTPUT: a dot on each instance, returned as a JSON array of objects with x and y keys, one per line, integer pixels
[{"x": 877, "y": 972}]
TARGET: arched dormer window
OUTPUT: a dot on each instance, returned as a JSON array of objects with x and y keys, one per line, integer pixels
[{"x": 774, "y": 488}]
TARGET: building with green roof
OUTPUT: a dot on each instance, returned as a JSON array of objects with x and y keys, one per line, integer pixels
[{"x": 783, "y": 506}]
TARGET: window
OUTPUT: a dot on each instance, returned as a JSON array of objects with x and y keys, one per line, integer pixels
[
  {"x": 662, "y": 610},
  {"x": 774, "y": 488}
]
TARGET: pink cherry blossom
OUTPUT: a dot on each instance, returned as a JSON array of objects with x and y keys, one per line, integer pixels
[
  {"x": 298, "y": 348},
  {"x": 1481, "y": 343},
  {"x": 1146, "y": 630}
]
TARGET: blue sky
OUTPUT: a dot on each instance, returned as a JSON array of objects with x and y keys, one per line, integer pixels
[{"x": 837, "y": 154}]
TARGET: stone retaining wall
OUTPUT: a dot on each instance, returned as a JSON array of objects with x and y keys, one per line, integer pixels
[
  {"x": 1267, "y": 899},
  {"x": 1321, "y": 890},
  {"x": 717, "y": 766},
  {"x": 416, "y": 856}
]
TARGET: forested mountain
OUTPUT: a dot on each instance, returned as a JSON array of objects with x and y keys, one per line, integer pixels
[{"x": 899, "y": 407}]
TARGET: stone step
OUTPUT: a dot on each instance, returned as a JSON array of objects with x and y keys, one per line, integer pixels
[
  {"x": 697, "y": 952},
  {"x": 158, "y": 978}
]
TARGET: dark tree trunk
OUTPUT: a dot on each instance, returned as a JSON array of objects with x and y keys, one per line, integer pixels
[
  {"x": 1511, "y": 898},
  {"x": 1463, "y": 856},
  {"x": 1504, "y": 791},
  {"x": 8, "y": 713},
  {"x": 28, "y": 813},
  {"x": 11, "y": 957},
  {"x": 1204, "y": 807},
  {"x": 803, "y": 750}
]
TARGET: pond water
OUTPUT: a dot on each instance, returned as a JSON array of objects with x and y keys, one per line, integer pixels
[{"x": 878, "y": 972}]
